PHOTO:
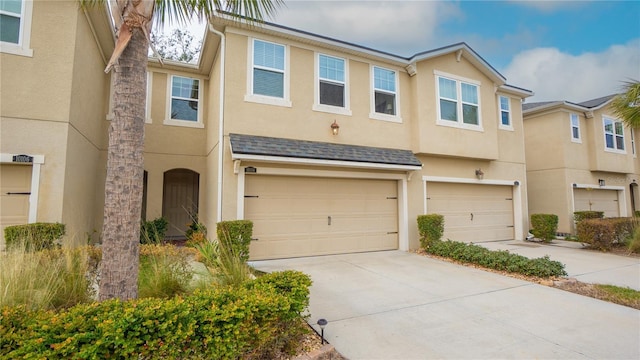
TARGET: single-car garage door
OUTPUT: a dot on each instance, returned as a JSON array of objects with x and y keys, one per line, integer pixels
[
  {"x": 15, "y": 185},
  {"x": 305, "y": 216},
  {"x": 472, "y": 213},
  {"x": 597, "y": 200}
]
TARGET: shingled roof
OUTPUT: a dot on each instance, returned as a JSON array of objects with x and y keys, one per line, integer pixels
[{"x": 270, "y": 146}]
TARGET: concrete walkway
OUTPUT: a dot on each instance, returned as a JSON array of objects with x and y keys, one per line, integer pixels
[
  {"x": 585, "y": 265},
  {"x": 398, "y": 305}
]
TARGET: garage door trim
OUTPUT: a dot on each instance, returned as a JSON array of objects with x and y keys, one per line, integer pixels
[
  {"x": 401, "y": 178},
  {"x": 38, "y": 160},
  {"x": 518, "y": 214}
]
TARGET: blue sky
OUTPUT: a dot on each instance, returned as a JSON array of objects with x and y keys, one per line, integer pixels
[{"x": 562, "y": 50}]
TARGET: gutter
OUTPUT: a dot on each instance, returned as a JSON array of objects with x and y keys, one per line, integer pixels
[{"x": 220, "y": 120}]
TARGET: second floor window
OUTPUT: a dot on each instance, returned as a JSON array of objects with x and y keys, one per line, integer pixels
[
  {"x": 575, "y": 128},
  {"x": 268, "y": 69},
  {"x": 15, "y": 26},
  {"x": 458, "y": 102},
  {"x": 613, "y": 134},
  {"x": 185, "y": 95},
  {"x": 384, "y": 88},
  {"x": 331, "y": 75},
  {"x": 505, "y": 112}
]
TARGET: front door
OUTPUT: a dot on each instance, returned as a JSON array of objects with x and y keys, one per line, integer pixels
[{"x": 180, "y": 201}]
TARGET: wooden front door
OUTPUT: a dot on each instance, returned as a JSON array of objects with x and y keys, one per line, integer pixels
[{"x": 180, "y": 200}]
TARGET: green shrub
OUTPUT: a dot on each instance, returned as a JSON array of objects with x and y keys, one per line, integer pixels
[
  {"x": 196, "y": 233},
  {"x": 583, "y": 215},
  {"x": 153, "y": 232},
  {"x": 227, "y": 323},
  {"x": 34, "y": 237},
  {"x": 603, "y": 234},
  {"x": 498, "y": 260},
  {"x": 236, "y": 235},
  {"x": 223, "y": 263},
  {"x": 164, "y": 271},
  {"x": 544, "y": 226},
  {"x": 634, "y": 242},
  {"x": 430, "y": 227}
]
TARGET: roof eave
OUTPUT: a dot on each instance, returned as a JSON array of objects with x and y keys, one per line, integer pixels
[{"x": 323, "y": 162}]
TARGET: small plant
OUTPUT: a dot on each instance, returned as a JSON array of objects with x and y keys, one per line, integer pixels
[
  {"x": 603, "y": 234},
  {"x": 634, "y": 242},
  {"x": 153, "y": 232},
  {"x": 236, "y": 235},
  {"x": 196, "y": 233},
  {"x": 431, "y": 228},
  {"x": 34, "y": 237},
  {"x": 223, "y": 263},
  {"x": 544, "y": 226},
  {"x": 164, "y": 271}
]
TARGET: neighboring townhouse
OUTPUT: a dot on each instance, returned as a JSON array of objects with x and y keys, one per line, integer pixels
[
  {"x": 328, "y": 147},
  {"x": 580, "y": 156}
]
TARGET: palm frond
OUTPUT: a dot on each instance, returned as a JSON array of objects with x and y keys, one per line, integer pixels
[{"x": 627, "y": 104}]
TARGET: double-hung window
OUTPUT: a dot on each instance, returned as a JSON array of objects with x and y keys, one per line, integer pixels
[
  {"x": 331, "y": 80},
  {"x": 575, "y": 127},
  {"x": 459, "y": 103},
  {"x": 613, "y": 135},
  {"x": 268, "y": 74},
  {"x": 184, "y": 102},
  {"x": 15, "y": 26},
  {"x": 505, "y": 112},
  {"x": 385, "y": 94}
]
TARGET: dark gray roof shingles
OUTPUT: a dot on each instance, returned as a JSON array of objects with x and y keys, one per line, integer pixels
[{"x": 270, "y": 146}]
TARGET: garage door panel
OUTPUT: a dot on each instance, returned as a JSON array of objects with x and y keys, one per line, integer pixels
[
  {"x": 597, "y": 200},
  {"x": 473, "y": 212},
  {"x": 14, "y": 207},
  {"x": 291, "y": 215}
]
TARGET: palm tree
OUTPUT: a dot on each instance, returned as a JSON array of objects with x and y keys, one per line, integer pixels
[
  {"x": 627, "y": 104},
  {"x": 133, "y": 20}
]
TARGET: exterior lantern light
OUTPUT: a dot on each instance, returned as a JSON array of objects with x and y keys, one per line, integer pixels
[
  {"x": 335, "y": 128},
  {"x": 322, "y": 323},
  {"x": 600, "y": 182},
  {"x": 479, "y": 174}
]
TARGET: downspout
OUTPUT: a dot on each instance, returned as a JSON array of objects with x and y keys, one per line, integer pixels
[{"x": 220, "y": 120}]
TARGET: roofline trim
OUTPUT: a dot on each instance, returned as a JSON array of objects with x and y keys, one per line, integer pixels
[
  {"x": 321, "y": 162},
  {"x": 557, "y": 104}
]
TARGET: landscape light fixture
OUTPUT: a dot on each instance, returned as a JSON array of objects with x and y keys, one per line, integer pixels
[
  {"x": 335, "y": 128},
  {"x": 479, "y": 174},
  {"x": 322, "y": 323}
]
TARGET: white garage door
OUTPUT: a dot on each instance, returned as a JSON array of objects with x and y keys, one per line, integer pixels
[
  {"x": 597, "y": 200},
  {"x": 473, "y": 213},
  {"x": 15, "y": 185},
  {"x": 304, "y": 216}
]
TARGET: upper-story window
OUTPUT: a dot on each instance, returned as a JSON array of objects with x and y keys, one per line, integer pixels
[
  {"x": 613, "y": 135},
  {"x": 268, "y": 75},
  {"x": 331, "y": 80},
  {"x": 459, "y": 102},
  {"x": 15, "y": 26},
  {"x": 184, "y": 102},
  {"x": 505, "y": 112},
  {"x": 575, "y": 128},
  {"x": 384, "y": 94}
]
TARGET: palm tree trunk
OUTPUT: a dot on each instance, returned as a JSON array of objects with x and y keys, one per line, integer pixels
[{"x": 125, "y": 167}]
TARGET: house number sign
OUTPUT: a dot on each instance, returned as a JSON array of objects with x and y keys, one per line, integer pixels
[{"x": 22, "y": 159}]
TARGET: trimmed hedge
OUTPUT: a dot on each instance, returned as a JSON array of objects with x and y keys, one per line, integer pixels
[
  {"x": 583, "y": 215},
  {"x": 544, "y": 226},
  {"x": 34, "y": 237},
  {"x": 499, "y": 260},
  {"x": 248, "y": 322},
  {"x": 603, "y": 234},
  {"x": 236, "y": 235},
  {"x": 430, "y": 227}
]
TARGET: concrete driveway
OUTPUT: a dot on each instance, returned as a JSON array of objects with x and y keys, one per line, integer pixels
[{"x": 398, "y": 305}]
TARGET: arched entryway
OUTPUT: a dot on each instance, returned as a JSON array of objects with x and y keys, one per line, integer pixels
[{"x": 179, "y": 200}]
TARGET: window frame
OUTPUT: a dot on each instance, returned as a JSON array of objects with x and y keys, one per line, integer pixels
[
  {"x": 501, "y": 125},
  {"x": 633, "y": 142},
  {"x": 576, "y": 126},
  {"x": 265, "y": 99},
  {"x": 317, "y": 106},
  {"x": 23, "y": 47},
  {"x": 178, "y": 122},
  {"x": 459, "y": 123},
  {"x": 397, "y": 117},
  {"x": 615, "y": 135}
]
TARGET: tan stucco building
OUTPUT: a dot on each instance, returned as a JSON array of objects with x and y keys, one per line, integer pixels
[
  {"x": 327, "y": 146},
  {"x": 580, "y": 156}
]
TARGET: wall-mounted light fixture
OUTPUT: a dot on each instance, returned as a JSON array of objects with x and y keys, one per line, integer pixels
[
  {"x": 479, "y": 174},
  {"x": 601, "y": 182},
  {"x": 335, "y": 128}
]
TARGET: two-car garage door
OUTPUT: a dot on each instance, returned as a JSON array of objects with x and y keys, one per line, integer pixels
[
  {"x": 305, "y": 216},
  {"x": 604, "y": 200},
  {"x": 473, "y": 212}
]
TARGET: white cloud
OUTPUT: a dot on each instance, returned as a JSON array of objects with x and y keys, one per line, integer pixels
[
  {"x": 554, "y": 75},
  {"x": 549, "y": 5},
  {"x": 399, "y": 27}
]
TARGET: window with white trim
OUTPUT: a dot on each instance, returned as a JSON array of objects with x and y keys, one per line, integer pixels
[
  {"x": 458, "y": 103},
  {"x": 15, "y": 26},
  {"x": 385, "y": 93},
  {"x": 575, "y": 127},
  {"x": 184, "y": 102},
  {"x": 505, "y": 112},
  {"x": 613, "y": 135},
  {"x": 331, "y": 77},
  {"x": 268, "y": 69}
]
